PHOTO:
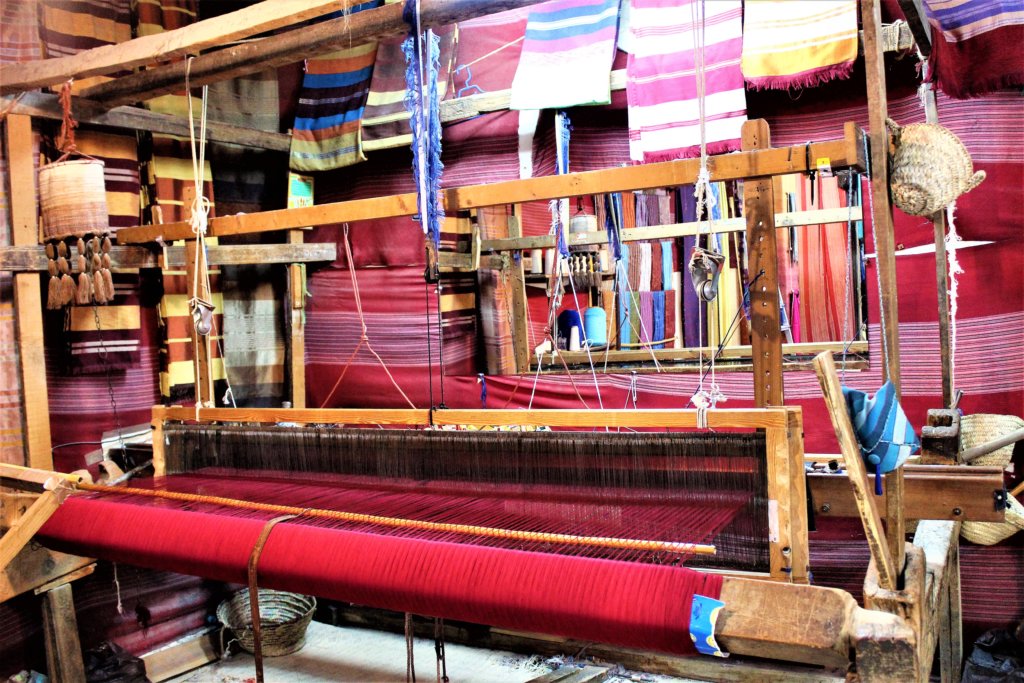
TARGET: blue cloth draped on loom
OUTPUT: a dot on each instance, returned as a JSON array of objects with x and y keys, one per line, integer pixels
[{"x": 885, "y": 435}]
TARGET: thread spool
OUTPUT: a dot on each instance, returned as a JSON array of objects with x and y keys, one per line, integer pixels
[
  {"x": 537, "y": 261},
  {"x": 574, "y": 338},
  {"x": 583, "y": 222},
  {"x": 595, "y": 326},
  {"x": 549, "y": 261},
  {"x": 603, "y": 259}
]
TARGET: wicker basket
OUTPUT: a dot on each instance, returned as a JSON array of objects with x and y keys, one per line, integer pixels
[
  {"x": 73, "y": 199},
  {"x": 930, "y": 168},
  {"x": 284, "y": 618},
  {"x": 976, "y": 430}
]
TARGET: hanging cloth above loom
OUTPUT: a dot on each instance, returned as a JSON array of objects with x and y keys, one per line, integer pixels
[
  {"x": 327, "y": 132},
  {"x": 661, "y": 86},
  {"x": 567, "y": 55},
  {"x": 798, "y": 44}
]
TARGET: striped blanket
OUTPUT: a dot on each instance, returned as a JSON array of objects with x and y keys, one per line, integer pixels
[
  {"x": 567, "y": 55},
  {"x": 661, "y": 84},
  {"x": 19, "y": 31},
  {"x": 327, "y": 133},
  {"x": 119, "y": 154},
  {"x": 385, "y": 119},
  {"x": 976, "y": 47},
  {"x": 67, "y": 28},
  {"x": 798, "y": 44}
]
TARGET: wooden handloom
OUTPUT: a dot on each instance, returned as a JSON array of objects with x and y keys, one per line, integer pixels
[{"x": 782, "y": 619}]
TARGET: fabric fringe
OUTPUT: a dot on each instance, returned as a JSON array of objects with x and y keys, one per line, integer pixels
[
  {"x": 722, "y": 147},
  {"x": 804, "y": 79}
]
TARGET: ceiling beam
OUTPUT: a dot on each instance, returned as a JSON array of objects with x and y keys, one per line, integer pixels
[
  {"x": 249, "y": 21},
  {"x": 292, "y": 46},
  {"x": 47, "y": 106}
]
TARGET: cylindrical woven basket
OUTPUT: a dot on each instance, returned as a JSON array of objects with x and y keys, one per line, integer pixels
[
  {"x": 73, "y": 199},
  {"x": 976, "y": 430},
  {"x": 931, "y": 167},
  {"x": 284, "y": 618}
]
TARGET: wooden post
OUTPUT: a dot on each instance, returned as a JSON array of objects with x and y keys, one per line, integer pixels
[
  {"x": 951, "y": 636},
  {"x": 885, "y": 250},
  {"x": 836, "y": 403},
  {"x": 296, "y": 326},
  {"x": 766, "y": 333},
  {"x": 200, "y": 343},
  {"x": 517, "y": 281},
  {"x": 28, "y": 303},
  {"x": 63, "y": 650},
  {"x": 800, "y": 559},
  {"x": 931, "y": 115}
]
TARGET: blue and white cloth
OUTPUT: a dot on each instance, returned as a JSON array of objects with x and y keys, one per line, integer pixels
[{"x": 886, "y": 437}]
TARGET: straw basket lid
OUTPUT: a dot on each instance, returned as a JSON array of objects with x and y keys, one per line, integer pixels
[
  {"x": 930, "y": 168},
  {"x": 73, "y": 199}
]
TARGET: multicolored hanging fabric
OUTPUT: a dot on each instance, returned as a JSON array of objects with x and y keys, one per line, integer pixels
[
  {"x": 976, "y": 46},
  {"x": 327, "y": 133},
  {"x": 798, "y": 44},
  {"x": 661, "y": 85},
  {"x": 567, "y": 55},
  {"x": 120, "y": 157},
  {"x": 385, "y": 121}
]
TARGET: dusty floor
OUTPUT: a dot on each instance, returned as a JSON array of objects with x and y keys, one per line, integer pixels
[{"x": 366, "y": 656}]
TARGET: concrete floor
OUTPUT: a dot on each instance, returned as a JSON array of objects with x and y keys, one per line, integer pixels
[{"x": 368, "y": 656}]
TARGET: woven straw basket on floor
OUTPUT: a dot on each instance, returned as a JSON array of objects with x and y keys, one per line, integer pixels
[
  {"x": 930, "y": 168},
  {"x": 974, "y": 431},
  {"x": 73, "y": 199},
  {"x": 284, "y": 618}
]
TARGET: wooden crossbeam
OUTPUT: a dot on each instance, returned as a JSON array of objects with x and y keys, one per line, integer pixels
[
  {"x": 914, "y": 12},
  {"x": 844, "y": 153},
  {"x": 249, "y": 21},
  {"x": 33, "y": 259},
  {"x": 292, "y": 46},
  {"x": 18, "y": 536},
  {"x": 46, "y": 106}
]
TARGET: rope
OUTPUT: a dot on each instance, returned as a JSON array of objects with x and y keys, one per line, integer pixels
[
  {"x": 420, "y": 525},
  {"x": 364, "y": 338},
  {"x": 66, "y": 139},
  {"x": 410, "y": 657},
  {"x": 952, "y": 243}
]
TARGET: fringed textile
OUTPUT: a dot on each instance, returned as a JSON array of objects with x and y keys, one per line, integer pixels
[
  {"x": 661, "y": 84},
  {"x": 567, "y": 55},
  {"x": 385, "y": 122},
  {"x": 798, "y": 44},
  {"x": 976, "y": 45}
]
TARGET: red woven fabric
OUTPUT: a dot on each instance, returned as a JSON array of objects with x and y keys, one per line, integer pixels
[{"x": 627, "y": 604}]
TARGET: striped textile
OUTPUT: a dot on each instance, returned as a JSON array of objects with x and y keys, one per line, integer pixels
[
  {"x": 661, "y": 85},
  {"x": 976, "y": 47},
  {"x": 253, "y": 332},
  {"x": 495, "y": 298},
  {"x": 19, "y": 31},
  {"x": 119, "y": 154},
  {"x": 798, "y": 44},
  {"x": 98, "y": 339},
  {"x": 67, "y": 28},
  {"x": 385, "y": 120},
  {"x": 327, "y": 133},
  {"x": 567, "y": 55}
]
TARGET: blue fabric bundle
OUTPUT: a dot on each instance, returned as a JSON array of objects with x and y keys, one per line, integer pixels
[{"x": 886, "y": 437}]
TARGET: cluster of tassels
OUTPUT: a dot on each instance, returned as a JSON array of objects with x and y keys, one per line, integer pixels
[{"x": 95, "y": 284}]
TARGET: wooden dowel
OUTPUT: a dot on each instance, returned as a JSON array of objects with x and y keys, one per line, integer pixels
[{"x": 972, "y": 454}]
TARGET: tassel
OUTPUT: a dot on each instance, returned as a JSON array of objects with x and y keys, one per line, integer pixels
[
  {"x": 50, "y": 252},
  {"x": 81, "y": 263},
  {"x": 81, "y": 245},
  {"x": 84, "y": 289},
  {"x": 106, "y": 262},
  {"x": 106, "y": 245},
  {"x": 51, "y": 267},
  {"x": 99, "y": 288},
  {"x": 67, "y": 290},
  {"x": 878, "y": 479},
  {"x": 108, "y": 281},
  {"x": 62, "y": 249},
  {"x": 53, "y": 293}
]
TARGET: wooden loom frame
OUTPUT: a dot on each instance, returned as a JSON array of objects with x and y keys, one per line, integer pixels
[{"x": 783, "y": 429}]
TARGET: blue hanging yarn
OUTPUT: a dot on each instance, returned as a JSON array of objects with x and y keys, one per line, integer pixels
[
  {"x": 432, "y": 133},
  {"x": 482, "y": 379},
  {"x": 612, "y": 221},
  {"x": 563, "y": 131}
]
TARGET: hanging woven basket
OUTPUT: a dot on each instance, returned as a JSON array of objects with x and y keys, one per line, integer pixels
[
  {"x": 976, "y": 430},
  {"x": 73, "y": 199},
  {"x": 930, "y": 168}
]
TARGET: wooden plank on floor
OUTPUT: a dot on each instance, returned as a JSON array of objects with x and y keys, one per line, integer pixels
[{"x": 189, "y": 652}]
